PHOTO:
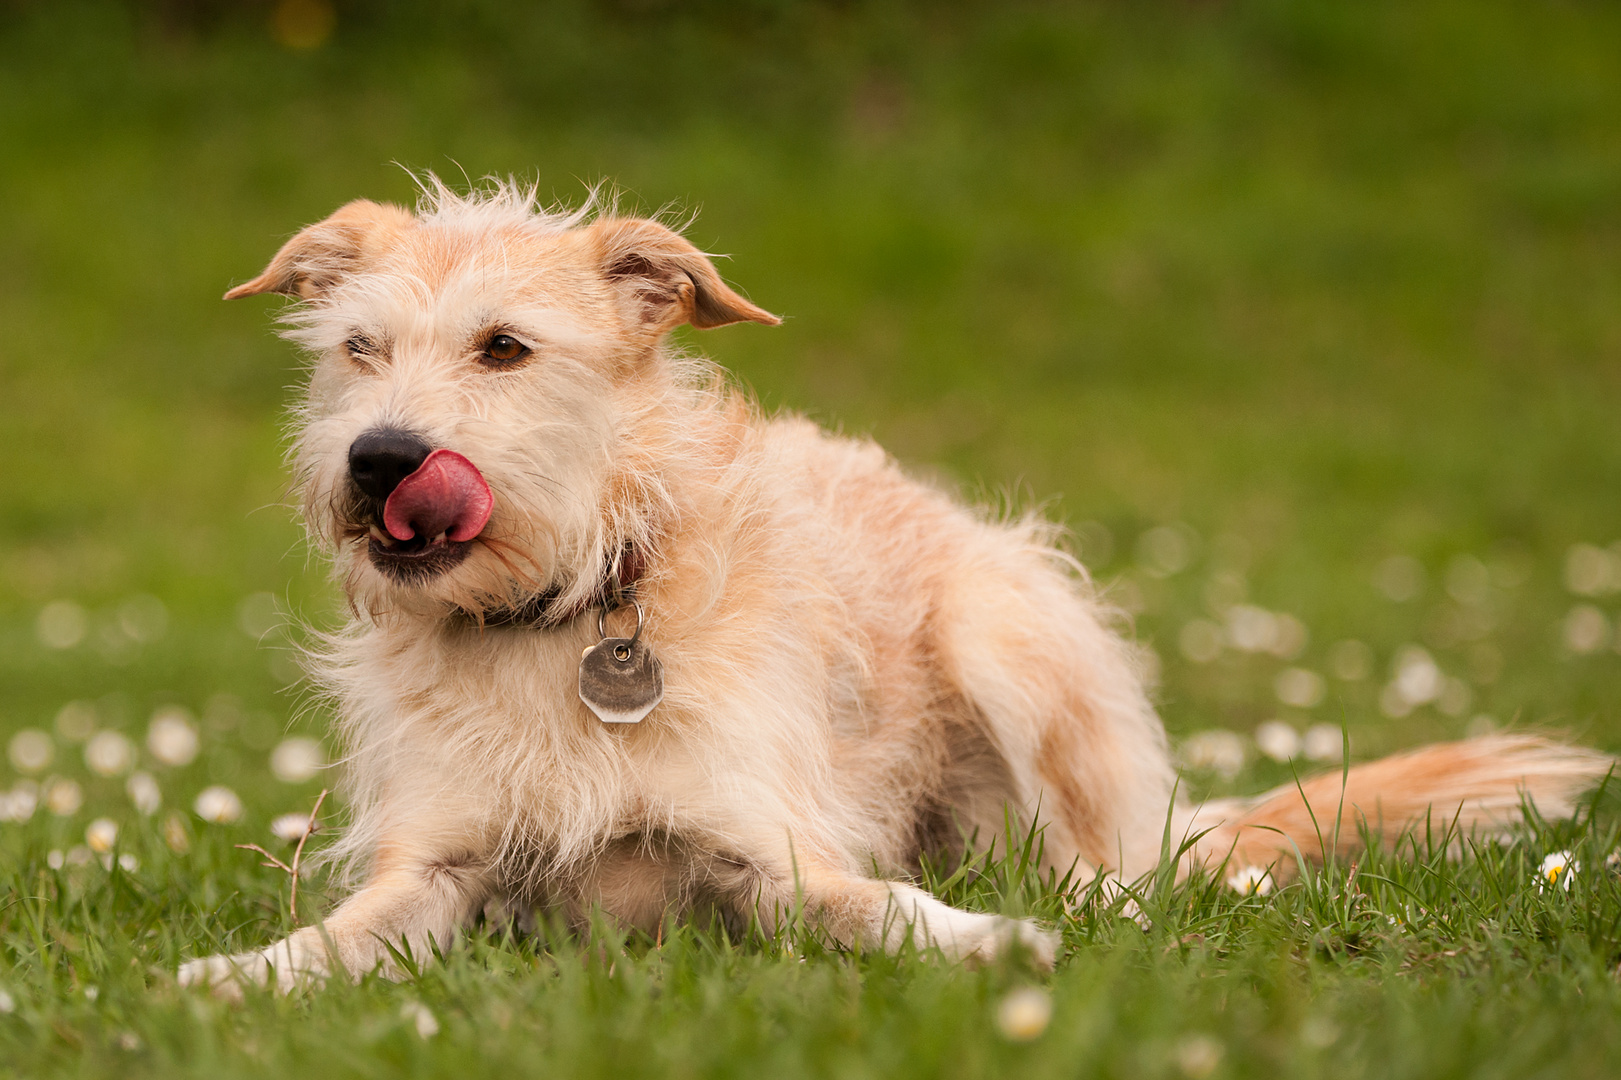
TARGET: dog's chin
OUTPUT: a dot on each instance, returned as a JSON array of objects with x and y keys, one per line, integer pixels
[
  {"x": 430, "y": 579},
  {"x": 416, "y": 562}
]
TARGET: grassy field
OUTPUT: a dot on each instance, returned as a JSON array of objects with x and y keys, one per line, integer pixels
[{"x": 1305, "y": 317}]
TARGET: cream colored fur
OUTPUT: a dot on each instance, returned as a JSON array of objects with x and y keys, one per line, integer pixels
[{"x": 857, "y": 667}]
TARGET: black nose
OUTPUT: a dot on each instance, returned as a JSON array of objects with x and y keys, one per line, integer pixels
[{"x": 381, "y": 458}]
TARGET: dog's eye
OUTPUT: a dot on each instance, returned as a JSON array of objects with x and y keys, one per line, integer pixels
[
  {"x": 505, "y": 349},
  {"x": 361, "y": 347}
]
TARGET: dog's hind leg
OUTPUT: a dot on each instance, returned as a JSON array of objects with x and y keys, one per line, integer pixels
[
  {"x": 1060, "y": 697},
  {"x": 774, "y": 885},
  {"x": 416, "y": 898}
]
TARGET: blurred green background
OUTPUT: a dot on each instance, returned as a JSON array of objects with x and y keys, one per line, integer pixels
[{"x": 1303, "y": 310}]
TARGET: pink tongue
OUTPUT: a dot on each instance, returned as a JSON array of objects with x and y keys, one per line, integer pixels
[{"x": 446, "y": 494}]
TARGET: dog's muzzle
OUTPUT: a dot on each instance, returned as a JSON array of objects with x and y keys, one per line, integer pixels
[{"x": 421, "y": 507}]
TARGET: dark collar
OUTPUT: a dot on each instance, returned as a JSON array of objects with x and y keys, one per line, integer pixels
[{"x": 616, "y": 588}]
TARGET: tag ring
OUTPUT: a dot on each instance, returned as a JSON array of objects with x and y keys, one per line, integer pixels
[{"x": 602, "y": 621}]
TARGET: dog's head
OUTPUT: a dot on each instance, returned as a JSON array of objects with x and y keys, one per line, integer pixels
[{"x": 475, "y": 364}]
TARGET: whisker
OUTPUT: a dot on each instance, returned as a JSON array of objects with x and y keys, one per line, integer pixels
[{"x": 494, "y": 547}]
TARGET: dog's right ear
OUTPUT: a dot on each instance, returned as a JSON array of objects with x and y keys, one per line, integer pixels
[{"x": 322, "y": 254}]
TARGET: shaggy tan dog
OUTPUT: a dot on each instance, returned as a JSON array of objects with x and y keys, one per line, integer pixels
[{"x": 499, "y": 451}]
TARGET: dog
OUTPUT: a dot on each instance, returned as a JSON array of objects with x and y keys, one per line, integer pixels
[{"x": 621, "y": 643}]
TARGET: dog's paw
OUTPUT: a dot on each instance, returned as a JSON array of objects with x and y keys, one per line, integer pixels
[
  {"x": 224, "y": 975},
  {"x": 979, "y": 940},
  {"x": 1024, "y": 937},
  {"x": 297, "y": 962}
]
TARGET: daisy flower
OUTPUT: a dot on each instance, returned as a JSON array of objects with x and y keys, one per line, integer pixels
[
  {"x": 290, "y": 827},
  {"x": 1250, "y": 881},
  {"x": 101, "y": 835},
  {"x": 1557, "y": 870},
  {"x": 218, "y": 804},
  {"x": 1024, "y": 1013}
]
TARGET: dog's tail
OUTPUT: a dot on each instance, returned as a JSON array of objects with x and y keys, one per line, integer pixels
[{"x": 1479, "y": 786}]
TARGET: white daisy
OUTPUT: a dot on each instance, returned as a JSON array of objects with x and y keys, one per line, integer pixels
[
  {"x": 64, "y": 797},
  {"x": 175, "y": 835},
  {"x": 1023, "y": 1014},
  {"x": 101, "y": 834},
  {"x": 218, "y": 804},
  {"x": 172, "y": 737},
  {"x": 1557, "y": 870},
  {"x": 1278, "y": 740},
  {"x": 291, "y": 827},
  {"x": 297, "y": 760},
  {"x": 144, "y": 792},
  {"x": 31, "y": 750},
  {"x": 1198, "y": 1056},
  {"x": 109, "y": 753},
  {"x": 1250, "y": 881},
  {"x": 420, "y": 1017},
  {"x": 19, "y": 803}
]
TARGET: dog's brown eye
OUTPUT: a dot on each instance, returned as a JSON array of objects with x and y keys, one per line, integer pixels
[{"x": 504, "y": 349}]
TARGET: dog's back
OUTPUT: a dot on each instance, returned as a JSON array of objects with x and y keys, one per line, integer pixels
[{"x": 838, "y": 665}]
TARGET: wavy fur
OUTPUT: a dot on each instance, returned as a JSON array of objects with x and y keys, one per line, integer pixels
[{"x": 857, "y": 667}]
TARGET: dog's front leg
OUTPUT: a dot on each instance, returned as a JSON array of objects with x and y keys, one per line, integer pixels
[{"x": 417, "y": 896}]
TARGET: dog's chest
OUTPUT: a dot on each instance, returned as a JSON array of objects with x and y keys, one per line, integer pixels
[{"x": 501, "y": 721}]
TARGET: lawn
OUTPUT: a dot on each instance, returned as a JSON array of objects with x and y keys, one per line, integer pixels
[{"x": 1306, "y": 319}]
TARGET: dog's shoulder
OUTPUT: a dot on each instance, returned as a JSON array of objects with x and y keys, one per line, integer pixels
[{"x": 800, "y": 451}]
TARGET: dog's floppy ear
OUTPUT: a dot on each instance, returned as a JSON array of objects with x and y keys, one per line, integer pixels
[
  {"x": 321, "y": 254},
  {"x": 665, "y": 280}
]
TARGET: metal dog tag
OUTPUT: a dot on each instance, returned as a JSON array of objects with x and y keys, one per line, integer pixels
[{"x": 620, "y": 678}]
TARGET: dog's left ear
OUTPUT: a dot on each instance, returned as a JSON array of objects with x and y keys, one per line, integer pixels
[
  {"x": 664, "y": 280},
  {"x": 321, "y": 255}
]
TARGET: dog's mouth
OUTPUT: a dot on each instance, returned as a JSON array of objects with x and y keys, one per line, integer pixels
[
  {"x": 414, "y": 560},
  {"x": 428, "y": 523}
]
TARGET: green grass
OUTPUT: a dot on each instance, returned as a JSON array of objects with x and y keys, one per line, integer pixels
[
  {"x": 1418, "y": 965},
  {"x": 1317, "y": 285}
]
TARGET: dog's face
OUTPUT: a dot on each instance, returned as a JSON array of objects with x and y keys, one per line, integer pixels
[{"x": 473, "y": 367}]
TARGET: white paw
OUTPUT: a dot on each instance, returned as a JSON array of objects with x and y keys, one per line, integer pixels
[
  {"x": 224, "y": 975},
  {"x": 976, "y": 939},
  {"x": 299, "y": 961},
  {"x": 967, "y": 936},
  {"x": 1038, "y": 945}
]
